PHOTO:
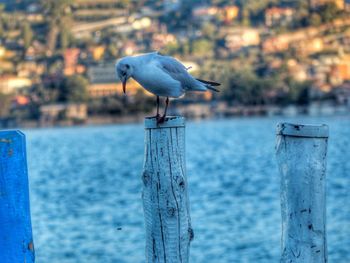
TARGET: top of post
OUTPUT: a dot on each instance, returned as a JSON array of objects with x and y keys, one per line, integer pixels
[
  {"x": 8, "y": 136},
  {"x": 170, "y": 122},
  {"x": 300, "y": 130}
]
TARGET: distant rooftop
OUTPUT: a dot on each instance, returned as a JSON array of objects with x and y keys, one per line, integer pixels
[{"x": 103, "y": 73}]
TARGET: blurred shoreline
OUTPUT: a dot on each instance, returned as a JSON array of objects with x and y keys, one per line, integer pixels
[{"x": 196, "y": 111}]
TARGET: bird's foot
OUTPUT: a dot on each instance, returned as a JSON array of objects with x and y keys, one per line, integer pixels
[
  {"x": 160, "y": 120},
  {"x": 156, "y": 116}
]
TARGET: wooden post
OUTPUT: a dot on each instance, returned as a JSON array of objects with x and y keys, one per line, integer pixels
[
  {"x": 165, "y": 198},
  {"x": 16, "y": 242},
  {"x": 301, "y": 155}
]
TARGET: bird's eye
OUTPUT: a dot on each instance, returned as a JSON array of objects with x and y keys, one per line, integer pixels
[
  {"x": 124, "y": 73},
  {"x": 127, "y": 66}
]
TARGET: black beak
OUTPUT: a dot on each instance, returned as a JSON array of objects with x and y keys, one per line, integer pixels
[{"x": 124, "y": 86}]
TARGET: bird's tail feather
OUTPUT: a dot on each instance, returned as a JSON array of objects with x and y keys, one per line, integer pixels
[
  {"x": 210, "y": 84},
  {"x": 212, "y": 88}
]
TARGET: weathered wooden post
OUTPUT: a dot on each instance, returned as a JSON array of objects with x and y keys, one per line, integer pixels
[
  {"x": 165, "y": 198},
  {"x": 16, "y": 242},
  {"x": 301, "y": 155}
]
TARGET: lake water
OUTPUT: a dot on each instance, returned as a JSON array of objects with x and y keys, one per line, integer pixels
[{"x": 86, "y": 191}]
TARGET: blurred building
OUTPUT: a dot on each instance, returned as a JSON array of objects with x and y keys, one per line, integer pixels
[
  {"x": 93, "y": 10},
  {"x": 309, "y": 46},
  {"x": 19, "y": 101},
  {"x": 159, "y": 41},
  {"x": 35, "y": 51},
  {"x": 242, "y": 37},
  {"x": 71, "y": 66},
  {"x": 130, "y": 48},
  {"x": 50, "y": 114},
  {"x": 2, "y": 51},
  {"x": 282, "y": 42},
  {"x": 12, "y": 84},
  {"x": 278, "y": 16},
  {"x": 103, "y": 82},
  {"x": 30, "y": 69},
  {"x": 340, "y": 72},
  {"x": 97, "y": 52},
  {"x": 35, "y": 18},
  {"x": 85, "y": 29},
  {"x": 317, "y": 3},
  {"x": 342, "y": 94},
  {"x": 205, "y": 12},
  {"x": 298, "y": 70},
  {"x": 230, "y": 13}
]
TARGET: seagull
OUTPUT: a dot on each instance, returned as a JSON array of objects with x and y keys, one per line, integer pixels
[{"x": 164, "y": 76}]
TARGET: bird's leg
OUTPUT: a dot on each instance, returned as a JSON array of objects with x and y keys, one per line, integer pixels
[
  {"x": 157, "y": 106},
  {"x": 162, "y": 119},
  {"x": 157, "y": 115},
  {"x": 166, "y": 106}
]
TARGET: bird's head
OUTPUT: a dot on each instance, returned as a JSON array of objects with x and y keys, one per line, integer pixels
[{"x": 124, "y": 71}]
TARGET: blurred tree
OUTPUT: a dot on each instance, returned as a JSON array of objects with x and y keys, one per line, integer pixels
[
  {"x": 253, "y": 11},
  {"x": 5, "y": 102},
  {"x": 171, "y": 49},
  {"x": 112, "y": 51},
  {"x": 181, "y": 18},
  {"x": 10, "y": 21},
  {"x": 120, "y": 105},
  {"x": 41, "y": 94},
  {"x": 65, "y": 38},
  {"x": 185, "y": 48},
  {"x": 74, "y": 89},
  {"x": 245, "y": 17},
  {"x": 125, "y": 3},
  {"x": 1, "y": 28},
  {"x": 244, "y": 87},
  {"x": 328, "y": 12},
  {"x": 257, "y": 6},
  {"x": 259, "y": 86},
  {"x": 298, "y": 92},
  {"x": 203, "y": 48},
  {"x": 27, "y": 34},
  {"x": 2, "y": 7},
  {"x": 141, "y": 103},
  {"x": 55, "y": 66},
  {"x": 315, "y": 19},
  {"x": 209, "y": 30},
  {"x": 58, "y": 17},
  {"x": 302, "y": 15},
  {"x": 111, "y": 105}
]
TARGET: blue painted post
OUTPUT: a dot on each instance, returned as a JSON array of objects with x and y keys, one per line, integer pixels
[
  {"x": 301, "y": 155},
  {"x": 16, "y": 242}
]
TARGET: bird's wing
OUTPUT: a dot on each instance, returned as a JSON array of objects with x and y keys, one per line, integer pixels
[
  {"x": 170, "y": 64},
  {"x": 175, "y": 69}
]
